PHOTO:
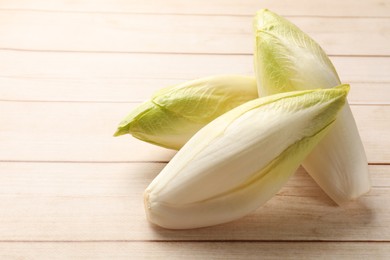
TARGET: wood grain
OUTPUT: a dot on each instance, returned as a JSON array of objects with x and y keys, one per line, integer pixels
[
  {"x": 119, "y": 90},
  {"x": 85, "y": 32},
  {"x": 83, "y": 132},
  {"x": 194, "y": 250},
  {"x": 94, "y": 202},
  {"x": 134, "y": 77},
  {"x": 376, "y": 8}
]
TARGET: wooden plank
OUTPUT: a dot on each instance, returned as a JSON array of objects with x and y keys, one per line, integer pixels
[
  {"x": 377, "y": 8},
  {"x": 109, "y": 66},
  {"x": 112, "y": 179},
  {"x": 134, "y": 77},
  {"x": 374, "y": 135},
  {"x": 46, "y": 31},
  {"x": 369, "y": 93},
  {"x": 70, "y": 132},
  {"x": 195, "y": 250},
  {"x": 124, "y": 90},
  {"x": 95, "y": 202},
  {"x": 83, "y": 132}
]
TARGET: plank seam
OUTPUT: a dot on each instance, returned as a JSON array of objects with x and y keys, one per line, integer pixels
[
  {"x": 70, "y": 101},
  {"x": 147, "y": 78},
  {"x": 139, "y": 102},
  {"x": 71, "y": 161},
  {"x": 195, "y": 241},
  {"x": 120, "y": 162},
  {"x": 186, "y": 14},
  {"x": 176, "y": 53}
]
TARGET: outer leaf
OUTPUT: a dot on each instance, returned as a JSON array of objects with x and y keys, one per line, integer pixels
[
  {"x": 174, "y": 114},
  {"x": 241, "y": 159},
  {"x": 287, "y": 59}
]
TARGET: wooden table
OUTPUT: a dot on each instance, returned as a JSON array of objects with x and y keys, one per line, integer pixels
[{"x": 69, "y": 72}]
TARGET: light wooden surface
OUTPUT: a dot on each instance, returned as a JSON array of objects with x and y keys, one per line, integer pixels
[{"x": 70, "y": 70}]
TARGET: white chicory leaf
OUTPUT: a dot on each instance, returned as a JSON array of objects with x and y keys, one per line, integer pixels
[
  {"x": 287, "y": 59},
  {"x": 241, "y": 159}
]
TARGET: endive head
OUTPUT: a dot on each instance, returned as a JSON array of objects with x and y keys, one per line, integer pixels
[
  {"x": 174, "y": 114},
  {"x": 241, "y": 159},
  {"x": 287, "y": 59}
]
